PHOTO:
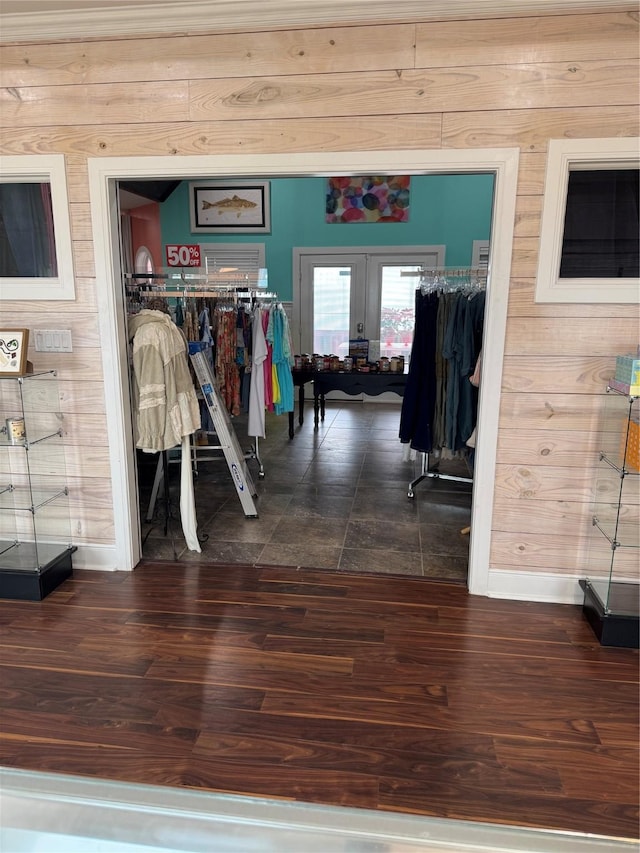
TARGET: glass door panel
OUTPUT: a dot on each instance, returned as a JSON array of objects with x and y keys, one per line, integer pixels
[
  {"x": 397, "y": 309},
  {"x": 361, "y": 295},
  {"x": 331, "y": 309},
  {"x": 332, "y": 296}
]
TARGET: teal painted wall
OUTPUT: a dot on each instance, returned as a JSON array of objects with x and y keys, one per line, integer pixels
[{"x": 452, "y": 210}]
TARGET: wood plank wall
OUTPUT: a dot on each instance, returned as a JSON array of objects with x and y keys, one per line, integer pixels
[{"x": 505, "y": 82}]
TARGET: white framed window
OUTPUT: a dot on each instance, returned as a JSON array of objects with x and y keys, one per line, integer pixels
[
  {"x": 237, "y": 259},
  {"x": 36, "y": 260},
  {"x": 590, "y": 222}
]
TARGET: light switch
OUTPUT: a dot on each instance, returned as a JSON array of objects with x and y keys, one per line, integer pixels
[{"x": 53, "y": 340}]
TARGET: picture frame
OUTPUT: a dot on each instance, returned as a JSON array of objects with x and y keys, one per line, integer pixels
[
  {"x": 14, "y": 344},
  {"x": 230, "y": 207}
]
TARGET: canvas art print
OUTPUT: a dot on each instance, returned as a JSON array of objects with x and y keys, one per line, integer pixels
[{"x": 372, "y": 199}]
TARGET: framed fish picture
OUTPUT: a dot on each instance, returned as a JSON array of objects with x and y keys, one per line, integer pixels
[{"x": 230, "y": 207}]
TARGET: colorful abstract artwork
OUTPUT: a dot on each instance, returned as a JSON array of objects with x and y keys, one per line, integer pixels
[{"x": 382, "y": 198}]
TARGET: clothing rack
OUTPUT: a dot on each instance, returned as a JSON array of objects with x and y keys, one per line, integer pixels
[
  {"x": 434, "y": 474},
  {"x": 192, "y": 284},
  {"x": 454, "y": 272},
  {"x": 440, "y": 278}
]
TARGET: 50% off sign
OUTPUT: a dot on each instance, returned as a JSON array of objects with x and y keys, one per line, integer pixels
[{"x": 183, "y": 256}]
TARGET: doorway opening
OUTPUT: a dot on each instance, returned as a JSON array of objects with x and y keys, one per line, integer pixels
[{"x": 104, "y": 175}]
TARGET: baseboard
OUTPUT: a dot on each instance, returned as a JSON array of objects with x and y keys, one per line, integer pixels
[
  {"x": 101, "y": 558},
  {"x": 535, "y": 586}
]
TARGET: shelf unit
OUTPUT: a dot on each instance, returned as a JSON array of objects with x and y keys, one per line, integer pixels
[
  {"x": 35, "y": 528},
  {"x": 612, "y": 586}
]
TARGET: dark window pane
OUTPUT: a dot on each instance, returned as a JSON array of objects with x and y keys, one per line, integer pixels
[
  {"x": 27, "y": 238},
  {"x": 602, "y": 225}
]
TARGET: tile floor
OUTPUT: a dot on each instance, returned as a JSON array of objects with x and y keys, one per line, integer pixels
[{"x": 335, "y": 499}]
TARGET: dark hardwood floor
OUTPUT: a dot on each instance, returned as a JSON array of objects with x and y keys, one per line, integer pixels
[{"x": 379, "y": 692}]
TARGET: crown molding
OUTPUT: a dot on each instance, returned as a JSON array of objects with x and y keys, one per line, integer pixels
[{"x": 86, "y": 20}]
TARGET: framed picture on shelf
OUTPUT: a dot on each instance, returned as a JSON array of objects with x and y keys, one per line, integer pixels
[
  {"x": 230, "y": 207},
  {"x": 14, "y": 344}
]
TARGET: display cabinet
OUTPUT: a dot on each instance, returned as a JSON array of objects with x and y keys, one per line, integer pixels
[
  {"x": 35, "y": 529},
  {"x": 612, "y": 586}
]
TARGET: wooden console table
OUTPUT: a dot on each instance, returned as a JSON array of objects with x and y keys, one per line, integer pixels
[{"x": 353, "y": 383}]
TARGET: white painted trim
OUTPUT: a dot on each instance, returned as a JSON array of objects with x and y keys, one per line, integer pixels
[
  {"x": 98, "y": 558},
  {"x": 115, "y": 362},
  {"x": 562, "y": 155},
  {"x": 502, "y": 162},
  {"x": 535, "y": 586},
  {"x": 499, "y": 275},
  {"x": 45, "y": 168},
  {"x": 96, "y": 20}
]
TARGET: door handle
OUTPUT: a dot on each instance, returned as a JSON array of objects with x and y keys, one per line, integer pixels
[{"x": 360, "y": 328}]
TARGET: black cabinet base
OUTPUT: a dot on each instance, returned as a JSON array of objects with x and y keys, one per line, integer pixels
[
  {"x": 611, "y": 629},
  {"x": 34, "y": 586}
]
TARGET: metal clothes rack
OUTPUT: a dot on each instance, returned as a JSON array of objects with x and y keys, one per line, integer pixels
[{"x": 477, "y": 279}]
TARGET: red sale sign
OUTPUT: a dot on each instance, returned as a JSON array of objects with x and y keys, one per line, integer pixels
[{"x": 183, "y": 256}]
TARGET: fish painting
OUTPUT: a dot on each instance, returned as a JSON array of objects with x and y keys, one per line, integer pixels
[{"x": 233, "y": 203}]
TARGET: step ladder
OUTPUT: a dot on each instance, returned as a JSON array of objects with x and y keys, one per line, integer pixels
[{"x": 225, "y": 431}]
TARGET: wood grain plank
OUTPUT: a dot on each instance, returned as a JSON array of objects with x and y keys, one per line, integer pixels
[
  {"x": 606, "y": 336},
  {"x": 531, "y": 130},
  {"x": 522, "y": 304},
  {"x": 335, "y": 787},
  {"x": 70, "y": 729},
  {"x": 564, "y": 374},
  {"x": 557, "y": 518},
  {"x": 551, "y": 483},
  {"x": 85, "y": 300},
  {"x": 528, "y": 215},
  {"x": 82, "y": 427},
  {"x": 300, "y": 51},
  {"x": 536, "y": 86},
  {"x": 210, "y": 137},
  {"x": 80, "y": 216},
  {"x": 531, "y": 173},
  {"x": 281, "y": 752},
  {"x": 551, "y": 411},
  {"x": 525, "y": 40},
  {"x": 323, "y": 687},
  {"x": 487, "y": 722},
  {"x": 552, "y": 554},
  {"x": 82, "y": 324},
  {"x": 617, "y": 764},
  {"x": 543, "y": 810},
  {"x": 108, "y": 103},
  {"x": 560, "y": 448}
]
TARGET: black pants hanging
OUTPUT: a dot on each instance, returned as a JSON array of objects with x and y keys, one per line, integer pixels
[{"x": 420, "y": 393}]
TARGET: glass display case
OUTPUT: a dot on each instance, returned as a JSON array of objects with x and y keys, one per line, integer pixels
[
  {"x": 35, "y": 529},
  {"x": 612, "y": 586}
]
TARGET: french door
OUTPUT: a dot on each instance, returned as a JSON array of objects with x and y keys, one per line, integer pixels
[{"x": 363, "y": 293}]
